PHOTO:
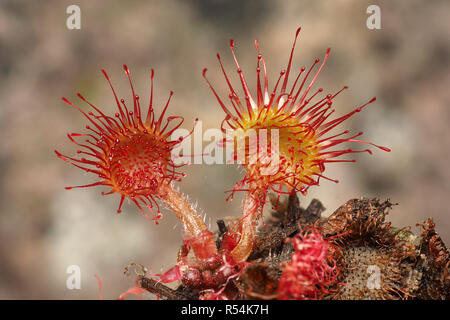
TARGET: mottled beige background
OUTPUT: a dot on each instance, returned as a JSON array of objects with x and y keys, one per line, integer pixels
[{"x": 44, "y": 228}]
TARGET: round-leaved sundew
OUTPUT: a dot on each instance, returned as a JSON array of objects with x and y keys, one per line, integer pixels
[
  {"x": 297, "y": 123},
  {"x": 130, "y": 153}
]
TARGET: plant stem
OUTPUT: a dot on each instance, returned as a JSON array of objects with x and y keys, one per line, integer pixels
[
  {"x": 253, "y": 206},
  {"x": 202, "y": 240}
]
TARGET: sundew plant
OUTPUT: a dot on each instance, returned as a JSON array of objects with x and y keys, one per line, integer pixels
[{"x": 293, "y": 254}]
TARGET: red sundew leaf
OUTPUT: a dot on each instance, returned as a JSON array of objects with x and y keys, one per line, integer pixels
[
  {"x": 131, "y": 157},
  {"x": 301, "y": 115}
]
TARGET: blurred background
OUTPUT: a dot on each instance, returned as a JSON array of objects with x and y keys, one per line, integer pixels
[{"x": 45, "y": 228}]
